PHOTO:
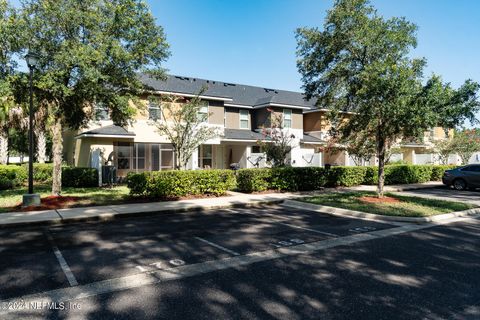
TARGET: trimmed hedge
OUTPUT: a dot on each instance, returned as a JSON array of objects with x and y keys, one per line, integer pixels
[
  {"x": 314, "y": 178},
  {"x": 167, "y": 184},
  {"x": 79, "y": 177},
  {"x": 12, "y": 176},
  {"x": 42, "y": 172}
]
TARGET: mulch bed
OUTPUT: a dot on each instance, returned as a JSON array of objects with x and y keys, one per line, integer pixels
[
  {"x": 385, "y": 199},
  {"x": 51, "y": 203},
  {"x": 61, "y": 202}
]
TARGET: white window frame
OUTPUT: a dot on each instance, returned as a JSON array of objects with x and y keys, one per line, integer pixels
[
  {"x": 289, "y": 118},
  {"x": 245, "y": 116},
  {"x": 153, "y": 105},
  {"x": 201, "y": 111}
]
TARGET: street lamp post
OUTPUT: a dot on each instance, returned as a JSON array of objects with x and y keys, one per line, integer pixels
[{"x": 31, "y": 198}]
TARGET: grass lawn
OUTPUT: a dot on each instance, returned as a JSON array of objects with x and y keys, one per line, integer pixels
[
  {"x": 89, "y": 196},
  {"x": 403, "y": 206}
]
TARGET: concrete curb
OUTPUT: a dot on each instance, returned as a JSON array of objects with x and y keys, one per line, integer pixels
[
  {"x": 111, "y": 215},
  {"x": 371, "y": 216}
]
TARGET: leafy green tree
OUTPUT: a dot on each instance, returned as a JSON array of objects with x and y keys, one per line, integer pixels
[
  {"x": 91, "y": 51},
  {"x": 185, "y": 126},
  {"x": 359, "y": 67}
]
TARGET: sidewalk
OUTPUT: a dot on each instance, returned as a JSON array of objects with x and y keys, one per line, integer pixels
[{"x": 234, "y": 199}]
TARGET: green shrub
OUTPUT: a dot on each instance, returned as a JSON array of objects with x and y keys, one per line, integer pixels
[
  {"x": 165, "y": 184},
  {"x": 437, "y": 172},
  {"x": 17, "y": 175},
  {"x": 253, "y": 180},
  {"x": 136, "y": 182},
  {"x": 5, "y": 183},
  {"x": 42, "y": 172},
  {"x": 345, "y": 176},
  {"x": 285, "y": 179},
  {"x": 79, "y": 177},
  {"x": 405, "y": 174}
]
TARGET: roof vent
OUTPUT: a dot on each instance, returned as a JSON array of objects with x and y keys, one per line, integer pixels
[{"x": 270, "y": 90}]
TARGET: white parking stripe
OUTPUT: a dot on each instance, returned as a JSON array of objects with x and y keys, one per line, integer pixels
[
  {"x": 155, "y": 277},
  {"x": 308, "y": 229},
  {"x": 61, "y": 260},
  {"x": 218, "y": 246}
]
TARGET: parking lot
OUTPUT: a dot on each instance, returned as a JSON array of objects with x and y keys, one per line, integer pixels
[
  {"x": 48, "y": 258},
  {"x": 446, "y": 193}
]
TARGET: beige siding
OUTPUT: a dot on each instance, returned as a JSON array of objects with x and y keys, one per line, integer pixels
[
  {"x": 297, "y": 119},
  {"x": 233, "y": 118},
  {"x": 215, "y": 109},
  {"x": 316, "y": 121},
  {"x": 261, "y": 117}
]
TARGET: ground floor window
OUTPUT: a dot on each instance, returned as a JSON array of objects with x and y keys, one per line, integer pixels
[
  {"x": 144, "y": 156},
  {"x": 205, "y": 156}
]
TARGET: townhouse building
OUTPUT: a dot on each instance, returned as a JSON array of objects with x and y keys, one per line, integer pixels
[{"x": 239, "y": 112}]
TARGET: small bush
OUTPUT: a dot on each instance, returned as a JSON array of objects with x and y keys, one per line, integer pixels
[
  {"x": 166, "y": 184},
  {"x": 17, "y": 175},
  {"x": 5, "y": 183},
  {"x": 136, "y": 182},
  {"x": 345, "y": 176},
  {"x": 42, "y": 172},
  {"x": 79, "y": 177},
  {"x": 437, "y": 172},
  {"x": 253, "y": 180},
  {"x": 405, "y": 174},
  {"x": 285, "y": 179}
]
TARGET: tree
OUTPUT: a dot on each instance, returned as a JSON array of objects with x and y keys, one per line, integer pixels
[
  {"x": 444, "y": 148},
  {"x": 185, "y": 125},
  {"x": 278, "y": 140},
  {"x": 91, "y": 52},
  {"x": 465, "y": 143},
  {"x": 359, "y": 67},
  {"x": 9, "y": 46}
]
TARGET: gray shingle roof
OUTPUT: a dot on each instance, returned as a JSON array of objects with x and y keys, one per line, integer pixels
[
  {"x": 239, "y": 93},
  {"x": 242, "y": 134},
  {"x": 110, "y": 130}
]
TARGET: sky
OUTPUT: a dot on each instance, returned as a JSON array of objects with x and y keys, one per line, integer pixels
[{"x": 253, "y": 41}]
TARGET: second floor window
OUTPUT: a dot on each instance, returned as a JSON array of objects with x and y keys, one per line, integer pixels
[
  {"x": 244, "y": 119},
  {"x": 154, "y": 111},
  {"x": 203, "y": 112},
  {"x": 287, "y": 118}
]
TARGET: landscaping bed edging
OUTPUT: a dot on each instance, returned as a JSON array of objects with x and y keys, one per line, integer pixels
[{"x": 372, "y": 216}]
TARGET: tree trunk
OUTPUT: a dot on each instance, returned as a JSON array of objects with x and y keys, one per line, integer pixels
[
  {"x": 41, "y": 145},
  {"x": 57, "y": 157},
  {"x": 381, "y": 166},
  {"x": 3, "y": 148}
]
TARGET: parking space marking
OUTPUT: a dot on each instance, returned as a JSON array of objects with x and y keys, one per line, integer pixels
[
  {"x": 155, "y": 277},
  {"x": 308, "y": 229},
  {"x": 61, "y": 260},
  {"x": 218, "y": 246}
]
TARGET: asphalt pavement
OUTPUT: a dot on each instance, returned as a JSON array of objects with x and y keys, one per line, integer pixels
[{"x": 253, "y": 263}]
